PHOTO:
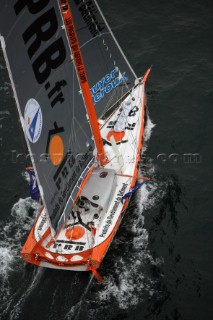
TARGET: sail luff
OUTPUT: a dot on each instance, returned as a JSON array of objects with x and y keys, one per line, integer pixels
[
  {"x": 57, "y": 131},
  {"x": 3, "y": 45},
  {"x": 81, "y": 72}
]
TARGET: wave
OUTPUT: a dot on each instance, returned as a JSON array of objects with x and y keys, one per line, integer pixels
[
  {"x": 125, "y": 268},
  {"x": 125, "y": 271},
  {"x": 12, "y": 234}
]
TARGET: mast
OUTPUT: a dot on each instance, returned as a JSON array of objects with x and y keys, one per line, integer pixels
[{"x": 80, "y": 68}]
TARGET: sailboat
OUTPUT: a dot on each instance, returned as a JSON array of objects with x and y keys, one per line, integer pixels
[{"x": 82, "y": 110}]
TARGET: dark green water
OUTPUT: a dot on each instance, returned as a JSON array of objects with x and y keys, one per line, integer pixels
[{"x": 159, "y": 266}]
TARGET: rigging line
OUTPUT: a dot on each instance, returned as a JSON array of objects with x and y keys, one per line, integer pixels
[
  {"x": 72, "y": 132},
  {"x": 99, "y": 34},
  {"x": 118, "y": 103},
  {"x": 71, "y": 53},
  {"x": 104, "y": 58},
  {"x": 81, "y": 125},
  {"x": 44, "y": 175},
  {"x": 75, "y": 135},
  {"x": 107, "y": 48},
  {"x": 126, "y": 84},
  {"x": 112, "y": 159},
  {"x": 107, "y": 25},
  {"x": 108, "y": 104},
  {"x": 73, "y": 105},
  {"x": 67, "y": 71},
  {"x": 110, "y": 55},
  {"x": 69, "y": 101}
]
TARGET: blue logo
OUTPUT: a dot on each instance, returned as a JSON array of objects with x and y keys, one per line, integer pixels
[
  {"x": 33, "y": 120},
  {"x": 106, "y": 84}
]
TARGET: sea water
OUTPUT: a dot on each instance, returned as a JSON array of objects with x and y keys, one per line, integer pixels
[{"x": 160, "y": 264}]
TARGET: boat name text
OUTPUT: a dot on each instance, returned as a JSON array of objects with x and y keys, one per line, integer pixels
[
  {"x": 42, "y": 223},
  {"x": 40, "y": 31},
  {"x": 113, "y": 211}
]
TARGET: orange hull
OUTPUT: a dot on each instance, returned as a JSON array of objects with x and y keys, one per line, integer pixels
[
  {"x": 33, "y": 252},
  {"x": 69, "y": 252}
]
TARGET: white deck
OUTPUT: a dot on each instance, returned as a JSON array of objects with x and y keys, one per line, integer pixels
[{"x": 95, "y": 218}]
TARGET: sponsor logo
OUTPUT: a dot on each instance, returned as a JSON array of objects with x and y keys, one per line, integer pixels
[
  {"x": 42, "y": 30},
  {"x": 111, "y": 216},
  {"x": 33, "y": 120},
  {"x": 106, "y": 85},
  {"x": 42, "y": 223},
  {"x": 90, "y": 16}
]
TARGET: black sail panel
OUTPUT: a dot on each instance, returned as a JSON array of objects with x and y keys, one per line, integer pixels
[
  {"x": 109, "y": 74},
  {"x": 49, "y": 101}
]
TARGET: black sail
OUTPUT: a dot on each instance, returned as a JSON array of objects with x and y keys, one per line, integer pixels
[
  {"x": 109, "y": 74},
  {"x": 49, "y": 101}
]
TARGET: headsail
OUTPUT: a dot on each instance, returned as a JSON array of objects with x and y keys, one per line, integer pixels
[
  {"x": 49, "y": 101},
  {"x": 109, "y": 74}
]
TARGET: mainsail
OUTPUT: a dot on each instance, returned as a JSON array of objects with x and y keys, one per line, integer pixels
[
  {"x": 48, "y": 94},
  {"x": 109, "y": 74},
  {"x": 49, "y": 101}
]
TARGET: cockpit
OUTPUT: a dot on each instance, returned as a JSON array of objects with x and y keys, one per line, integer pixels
[{"x": 99, "y": 189}]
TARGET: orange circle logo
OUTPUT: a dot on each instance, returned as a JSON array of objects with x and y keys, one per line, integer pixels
[
  {"x": 56, "y": 150},
  {"x": 75, "y": 233}
]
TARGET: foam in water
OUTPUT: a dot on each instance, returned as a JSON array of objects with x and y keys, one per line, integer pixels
[
  {"x": 13, "y": 231},
  {"x": 6, "y": 87},
  {"x": 148, "y": 130},
  {"x": 15, "y": 309},
  {"x": 128, "y": 291},
  {"x": 127, "y": 279},
  {"x": 26, "y": 176},
  {"x": 5, "y": 261},
  {"x": 128, "y": 269},
  {"x": 2, "y": 67}
]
